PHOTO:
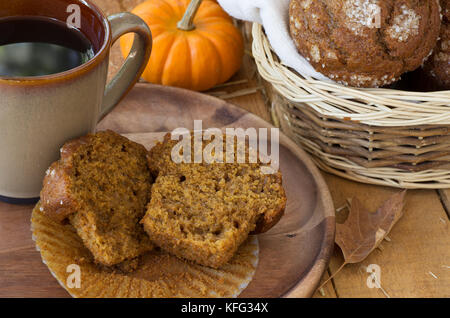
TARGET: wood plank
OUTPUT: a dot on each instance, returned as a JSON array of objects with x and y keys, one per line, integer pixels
[
  {"x": 444, "y": 195},
  {"x": 15, "y": 226},
  {"x": 327, "y": 291},
  {"x": 24, "y": 275},
  {"x": 419, "y": 246},
  {"x": 20, "y": 262}
]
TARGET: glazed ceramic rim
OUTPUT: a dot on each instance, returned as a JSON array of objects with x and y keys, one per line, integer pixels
[{"x": 79, "y": 70}]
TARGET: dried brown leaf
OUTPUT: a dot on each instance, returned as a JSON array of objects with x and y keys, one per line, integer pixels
[{"x": 363, "y": 231}]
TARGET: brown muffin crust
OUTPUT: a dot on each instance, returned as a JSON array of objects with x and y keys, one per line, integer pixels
[
  {"x": 365, "y": 43},
  {"x": 438, "y": 65},
  {"x": 203, "y": 212},
  {"x": 101, "y": 185}
]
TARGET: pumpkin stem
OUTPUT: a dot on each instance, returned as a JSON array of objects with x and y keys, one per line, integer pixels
[{"x": 186, "y": 22}]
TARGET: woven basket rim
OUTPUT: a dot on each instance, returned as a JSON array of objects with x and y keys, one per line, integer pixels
[{"x": 383, "y": 107}]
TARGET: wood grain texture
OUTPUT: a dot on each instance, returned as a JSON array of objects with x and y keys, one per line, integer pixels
[
  {"x": 419, "y": 246},
  {"x": 444, "y": 195},
  {"x": 327, "y": 291},
  {"x": 22, "y": 273}
]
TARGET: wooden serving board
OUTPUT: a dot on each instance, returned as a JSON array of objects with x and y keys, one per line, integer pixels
[{"x": 293, "y": 255}]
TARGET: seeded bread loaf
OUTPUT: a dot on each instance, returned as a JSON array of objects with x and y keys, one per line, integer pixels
[
  {"x": 101, "y": 185},
  {"x": 365, "y": 43},
  {"x": 204, "y": 211}
]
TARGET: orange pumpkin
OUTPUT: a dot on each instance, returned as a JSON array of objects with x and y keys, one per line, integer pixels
[{"x": 195, "y": 43}]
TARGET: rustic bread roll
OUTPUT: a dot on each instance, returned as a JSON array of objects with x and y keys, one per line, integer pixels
[
  {"x": 365, "y": 43},
  {"x": 438, "y": 65},
  {"x": 102, "y": 185},
  {"x": 203, "y": 212}
]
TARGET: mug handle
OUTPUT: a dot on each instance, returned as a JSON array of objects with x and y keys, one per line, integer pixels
[{"x": 135, "y": 63}]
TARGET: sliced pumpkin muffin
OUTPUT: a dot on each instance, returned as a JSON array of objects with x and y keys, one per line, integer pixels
[
  {"x": 101, "y": 185},
  {"x": 204, "y": 211}
]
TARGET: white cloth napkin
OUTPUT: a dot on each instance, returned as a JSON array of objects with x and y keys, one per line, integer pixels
[{"x": 274, "y": 16}]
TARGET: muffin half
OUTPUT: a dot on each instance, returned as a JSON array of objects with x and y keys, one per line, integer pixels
[
  {"x": 101, "y": 185},
  {"x": 204, "y": 211}
]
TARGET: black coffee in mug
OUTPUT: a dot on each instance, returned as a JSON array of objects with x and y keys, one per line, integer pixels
[{"x": 35, "y": 46}]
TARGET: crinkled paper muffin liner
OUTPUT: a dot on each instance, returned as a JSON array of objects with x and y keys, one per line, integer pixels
[{"x": 158, "y": 275}]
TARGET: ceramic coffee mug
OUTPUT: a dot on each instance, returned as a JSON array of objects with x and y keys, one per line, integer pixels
[{"x": 39, "y": 114}]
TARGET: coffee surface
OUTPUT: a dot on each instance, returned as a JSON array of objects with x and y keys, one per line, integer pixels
[{"x": 34, "y": 46}]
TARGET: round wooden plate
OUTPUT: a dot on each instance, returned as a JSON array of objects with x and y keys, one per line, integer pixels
[{"x": 295, "y": 253}]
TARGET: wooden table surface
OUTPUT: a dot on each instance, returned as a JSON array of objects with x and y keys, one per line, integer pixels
[{"x": 416, "y": 260}]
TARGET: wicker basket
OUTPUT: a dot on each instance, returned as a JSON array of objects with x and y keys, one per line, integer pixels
[{"x": 379, "y": 136}]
